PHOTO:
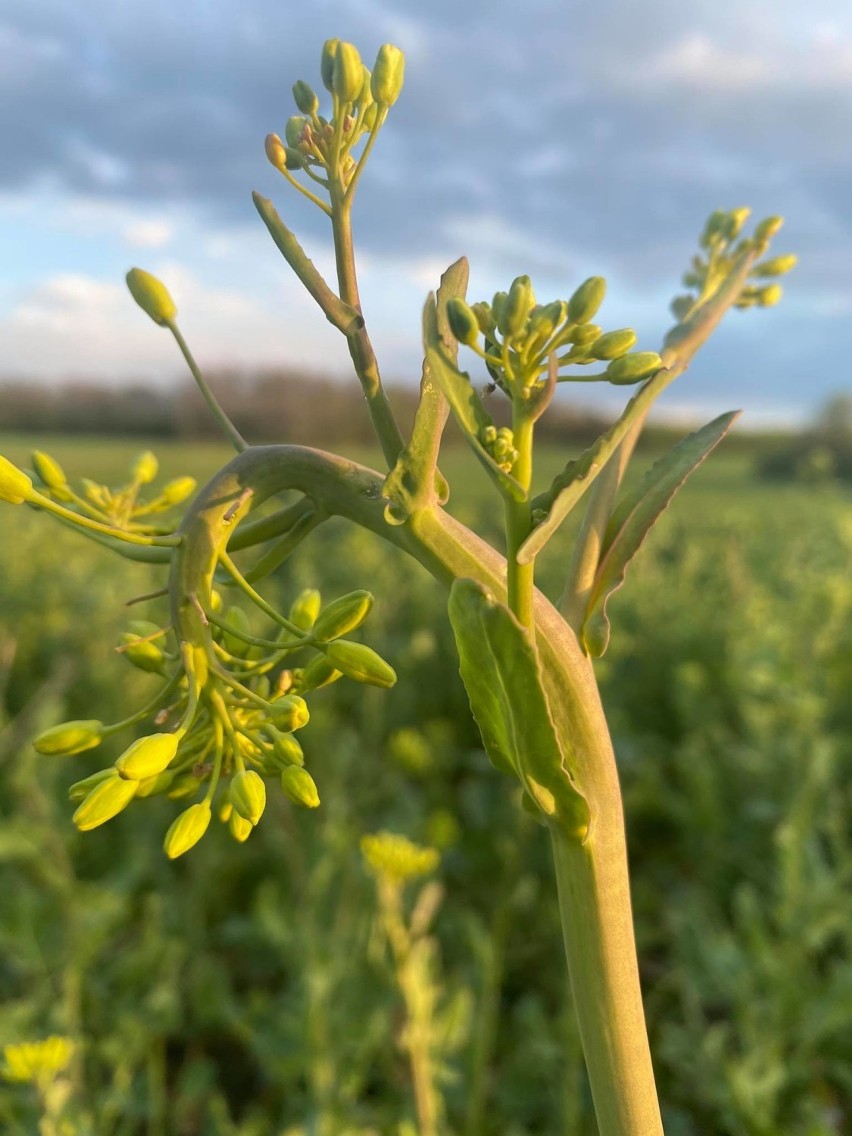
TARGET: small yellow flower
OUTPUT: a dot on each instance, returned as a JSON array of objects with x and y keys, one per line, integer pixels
[
  {"x": 397, "y": 857},
  {"x": 37, "y": 1060}
]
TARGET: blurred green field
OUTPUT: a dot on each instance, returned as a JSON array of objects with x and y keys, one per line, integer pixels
[{"x": 245, "y": 991}]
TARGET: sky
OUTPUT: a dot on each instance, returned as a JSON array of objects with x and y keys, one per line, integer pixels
[{"x": 561, "y": 139}]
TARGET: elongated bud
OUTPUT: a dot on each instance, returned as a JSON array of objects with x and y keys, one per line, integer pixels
[
  {"x": 239, "y": 827},
  {"x": 388, "y": 75},
  {"x": 777, "y": 266},
  {"x": 15, "y": 486},
  {"x": 248, "y": 795},
  {"x": 285, "y": 751},
  {"x": 148, "y": 756},
  {"x": 235, "y": 617},
  {"x": 51, "y": 474},
  {"x": 305, "y": 98},
  {"x": 104, "y": 802},
  {"x": 584, "y": 334},
  {"x": 519, "y": 304},
  {"x": 713, "y": 227},
  {"x": 586, "y": 300},
  {"x": 70, "y": 737},
  {"x": 348, "y": 73},
  {"x": 152, "y": 296},
  {"x": 462, "y": 320},
  {"x": 187, "y": 829},
  {"x": 342, "y": 615},
  {"x": 145, "y": 468},
  {"x": 300, "y": 787},
  {"x": 768, "y": 228},
  {"x": 81, "y": 789},
  {"x": 736, "y": 219},
  {"x": 318, "y": 673},
  {"x": 614, "y": 344},
  {"x": 633, "y": 368},
  {"x": 329, "y": 51},
  {"x": 498, "y": 310},
  {"x": 289, "y": 712},
  {"x": 142, "y": 652},
  {"x": 154, "y": 786},
  {"x": 178, "y": 490},
  {"x": 361, "y": 663},
  {"x": 305, "y": 608}
]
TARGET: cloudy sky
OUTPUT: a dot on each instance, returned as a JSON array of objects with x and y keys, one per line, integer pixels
[{"x": 563, "y": 139}]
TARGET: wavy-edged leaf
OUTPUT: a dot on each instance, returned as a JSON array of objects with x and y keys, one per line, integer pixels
[
  {"x": 415, "y": 482},
  {"x": 464, "y": 402},
  {"x": 569, "y": 486},
  {"x": 500, "y": 670},
  {"x": 635, "y": 516}
]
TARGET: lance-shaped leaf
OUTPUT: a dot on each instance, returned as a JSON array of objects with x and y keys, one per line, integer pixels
[
  {"x": 464, "y": 402},
  {"x": 635, "y": 516},
  {"x": 500, "y": 670},
  {"x": 569, "y": 486},
  {"x": 415, "y": 481},
  {"x": 344, "y": 317}
]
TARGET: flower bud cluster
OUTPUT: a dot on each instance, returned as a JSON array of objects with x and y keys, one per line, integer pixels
[
  {"x": 396, "y": 858},
  {"x": 520, "y": 338},
  {"x": 226, "y": 718},
  {"x": 120, "y": 508},
  {"x": 499, "y": 443},
  {"x": 722, "y": 245},
  {"x": 360, "y": 102}
]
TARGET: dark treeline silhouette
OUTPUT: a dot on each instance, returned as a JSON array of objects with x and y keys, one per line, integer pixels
[{"x": 273, "y": 405}]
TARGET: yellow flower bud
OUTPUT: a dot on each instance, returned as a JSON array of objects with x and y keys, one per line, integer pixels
[
  {"x": 300, "y": 787},
  {"x": 397, "y": 857},
  {"x": 305, "y": 608},
  {"x": 145, "y": 655},
  {"x": 177, "y": 491},
  {"x": 148, "y": 756},
  {"x": 586, "y": 300},
  {"x": 329, "y": 51},
  {"x": 361, "y": 663},
  {"x": 145, "y": 468},
  {"x": 290, "y": 712},
  {"x": 768, "y": 228},
  {"x": 239, "y": 827},
  {"x": 633, "y": 368},
  {"x": 777, "y": 266},
  {"x": 187, "y": 829},
  {"x": 318, "y": 673},
  {"x": 614, "y": 344},
  {"x": 104, "y": 802},
  {"x": 152, "y": 296},
  {"x": 70, "y": 737},
  {"x": 285, "y": 751},
  {"x": 15, "y": 486},
  {"x": 81, "y": 789},
  {"x": 348, "y": 73},
  {"x": 248, "y": 795},
  {"x": 388, "y": 73},
  {"x": 51, "y": 474}
]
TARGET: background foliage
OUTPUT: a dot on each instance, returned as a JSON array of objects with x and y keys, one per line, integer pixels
[{"x": 246, "y": 990}]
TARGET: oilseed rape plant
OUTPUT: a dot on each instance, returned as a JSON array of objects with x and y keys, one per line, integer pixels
[{"x": 232, "y": 698}]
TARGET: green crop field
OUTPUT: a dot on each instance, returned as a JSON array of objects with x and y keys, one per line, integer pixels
[{"x": 245, "y": 990}]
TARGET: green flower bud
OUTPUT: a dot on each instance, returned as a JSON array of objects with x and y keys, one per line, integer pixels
[
  {"x": 235, "y": 617},
  {"x": 178, "y": 490},
  {"x": 81, "y": 789},
  {"x": 488, "y": 435},
  {"x": 361, "y": 663},
  {"x": 584, "y": 334},
  {"x": 342, "y": 616},
  {"x": 498, "y": 310},
  {"x": 768, "y": 228},
  {"x": 187, "y": 829},
  {"x": 770, "y": 295},
  {"x": 145, "y": 468},
  {"x": 300, "y": 787},
  {"x": 289, "y": 712},
  {"x": 633, "y": 368},
  {"x": 293, "y": 133},
  {"x": 368, "y": 118},
  {"x": 736, "y": 219},
  {"x": 519, "y": 304},
  {"x": 15, "y": 486},
  {"x": 305, "y": 608},
  {"x": 51, "y": 474},
  {"x": 388, "y": 73},
  {"x": 146, "y": 655},
  {"x": 329, "y": 51},
  {"x": 248, "y": 795},
  {"x": 777, "y": 266},
  {"x": 714, "y": 227},
  {"x": 105, "y": 801},
  {"x": 153, "y": 786},
  {"x": 283, "y": 157},
  {"x": 239, "y": 828},
  {"x": 484, "y": 318},
  {"x": 614, "y": 344},
  {"x": 305, "y": 98},
  {"x": 348, "y": 73},
  {"x": 70, "y": 737},
  {"x": 151, "y": 295},
  {"x": 318, "y": 673},
  {"x": 148, "y": 756},
  {"x": 186, "y": 785},
  {"x": 462, "y": 320},
  {"x": 586, "y": 300},
  {"x": 285, "y": 751}
]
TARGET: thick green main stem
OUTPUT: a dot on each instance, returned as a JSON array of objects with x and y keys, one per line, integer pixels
[
  {"x": 520, "y": 577},
  {"x": 593, "y": 878}
]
